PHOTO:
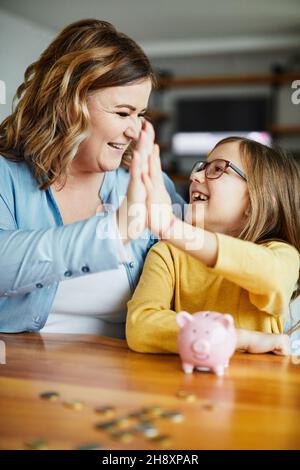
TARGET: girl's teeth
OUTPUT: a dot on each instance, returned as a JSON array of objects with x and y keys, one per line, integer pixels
[{"x": 199, "y": 197}]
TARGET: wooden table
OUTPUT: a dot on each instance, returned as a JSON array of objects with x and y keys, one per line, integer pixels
[{"x": 255, "y": 405}]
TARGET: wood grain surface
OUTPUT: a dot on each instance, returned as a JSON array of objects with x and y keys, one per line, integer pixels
[{"x": 256, "y": 405}]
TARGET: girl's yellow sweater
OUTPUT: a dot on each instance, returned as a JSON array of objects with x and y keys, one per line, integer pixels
[{"x": 252, "y": 282}]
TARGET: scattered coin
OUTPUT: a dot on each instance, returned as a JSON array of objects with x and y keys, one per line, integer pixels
[
  {"x": 106, "y": 411},
  {"x": 154, "y": 411},
  {"x": 36, "y": 444},
  {"x": 175, "y": 416},
  {"x": 210, "y": 406},
  {"x": 162, "y": 439},
  {"x": 51, "y": 396},
  {"x": 139, "y": 414},
  {"x": 146, "y": 428},
  {"x": 123, "y": 421},
  {"x": 183, "y": 395},
  {"x": 74, "y": 404},
  {"x": 106, "y": 425},
  {"x": 90, "y": 446},
  {"x": 123, "y": 436}
]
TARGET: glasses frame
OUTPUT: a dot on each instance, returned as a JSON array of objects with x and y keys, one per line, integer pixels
[{"x": 205, "y": 165}]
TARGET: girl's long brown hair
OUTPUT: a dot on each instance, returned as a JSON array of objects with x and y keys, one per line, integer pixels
[
  {"x": 273, "y": 178},
  {"x": 51, "y": 117}
]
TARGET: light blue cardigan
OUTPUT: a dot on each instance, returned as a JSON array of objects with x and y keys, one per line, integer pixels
[{"x": 37, "y": 251}]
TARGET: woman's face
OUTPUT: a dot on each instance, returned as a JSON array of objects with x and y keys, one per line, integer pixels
[
  {"x": 116, "y": 118},
  {"x": 227, "y": 197}
]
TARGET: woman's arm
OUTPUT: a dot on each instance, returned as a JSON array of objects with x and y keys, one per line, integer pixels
[{"x": 31, "y": 259}]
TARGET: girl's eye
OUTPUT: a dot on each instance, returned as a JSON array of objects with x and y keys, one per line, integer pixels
[{"x": 218, "y": 168}]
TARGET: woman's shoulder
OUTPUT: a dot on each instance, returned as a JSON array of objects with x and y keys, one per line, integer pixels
[
  {"x": 15, "y": 179},
  {"x": 12, "y": 168}
]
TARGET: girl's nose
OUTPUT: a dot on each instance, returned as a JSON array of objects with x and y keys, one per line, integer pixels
[{"x": 198, "y": 176}]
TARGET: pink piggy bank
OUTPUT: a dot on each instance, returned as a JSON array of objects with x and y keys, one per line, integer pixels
[{"x": 206, "y": 340}]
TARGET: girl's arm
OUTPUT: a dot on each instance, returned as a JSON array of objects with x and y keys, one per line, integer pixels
[
  {"x": 257, "y": 342},
  {"x": 268, "y": 272},
  {"x": 151, "y": 325}
]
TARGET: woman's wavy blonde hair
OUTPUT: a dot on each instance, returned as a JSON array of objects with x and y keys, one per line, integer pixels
[
  {"x": 273, "y": 178},
  {"x": 51, "y": 117}
]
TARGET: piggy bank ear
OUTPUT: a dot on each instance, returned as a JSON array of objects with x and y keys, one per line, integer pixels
[
  {"x": 227, "y": 320},
  {"x": 183, "y": 318}
]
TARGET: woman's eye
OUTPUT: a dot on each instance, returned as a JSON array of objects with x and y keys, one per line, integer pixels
[{"x": 123, "y": 114}]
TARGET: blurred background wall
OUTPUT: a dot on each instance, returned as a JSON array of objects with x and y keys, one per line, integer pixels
[{"x": 226, "y": 66}]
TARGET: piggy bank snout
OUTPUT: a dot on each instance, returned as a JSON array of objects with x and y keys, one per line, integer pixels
[{"x": 201, "y": 346}]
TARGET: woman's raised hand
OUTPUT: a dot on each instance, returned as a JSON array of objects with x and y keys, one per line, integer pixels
[
  {"x": 158, "y": 201},
  {"x": 145, "y": 144},
  {"x": 132, "y": 214}
]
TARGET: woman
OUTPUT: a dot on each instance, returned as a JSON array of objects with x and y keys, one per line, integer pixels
[{"x": 63, "y": 210}]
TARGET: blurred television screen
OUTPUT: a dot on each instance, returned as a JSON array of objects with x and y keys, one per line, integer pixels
[
  {"x": 201, "y": 122},
  {"x": 201, "y": 143}
]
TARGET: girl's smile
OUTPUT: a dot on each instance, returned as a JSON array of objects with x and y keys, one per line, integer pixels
[{"x": 225, "y": 199}]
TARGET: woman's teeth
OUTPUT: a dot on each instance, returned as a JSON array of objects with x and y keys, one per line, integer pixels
[
  {"x": 117, "y": 146},
  {"x": 199, "y": 196}
]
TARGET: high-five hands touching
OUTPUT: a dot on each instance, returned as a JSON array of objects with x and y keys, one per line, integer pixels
[
  {"x": 148, "y": 203},
  {"x": 157, "y": 202},
  {"x": 132, "y": 215}
]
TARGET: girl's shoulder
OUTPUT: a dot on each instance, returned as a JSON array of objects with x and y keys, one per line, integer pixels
[
  {"x": 286, "y": 253},
  {"x": 280, "y": 245},
  {"x": 168, "y": 252}
]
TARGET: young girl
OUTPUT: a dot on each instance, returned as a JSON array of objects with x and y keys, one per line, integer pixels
[{"x": 240, "y": 257}]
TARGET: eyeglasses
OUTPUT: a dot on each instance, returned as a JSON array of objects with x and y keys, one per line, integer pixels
[{"x": 215, "y": 168}]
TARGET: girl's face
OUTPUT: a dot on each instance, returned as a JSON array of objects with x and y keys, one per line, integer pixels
[
  {"x": 116, "y": 115},
  {"x": 227, "y": 197}
]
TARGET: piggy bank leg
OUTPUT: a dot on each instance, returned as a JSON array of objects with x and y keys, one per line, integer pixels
[
  {"x": 202, "y": 369},
  {"x": 188, "y": 368},
  {"x": 219, "y": 370}
]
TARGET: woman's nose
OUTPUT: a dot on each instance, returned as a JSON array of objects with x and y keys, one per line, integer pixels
[{"x": 134, "y": 129}]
